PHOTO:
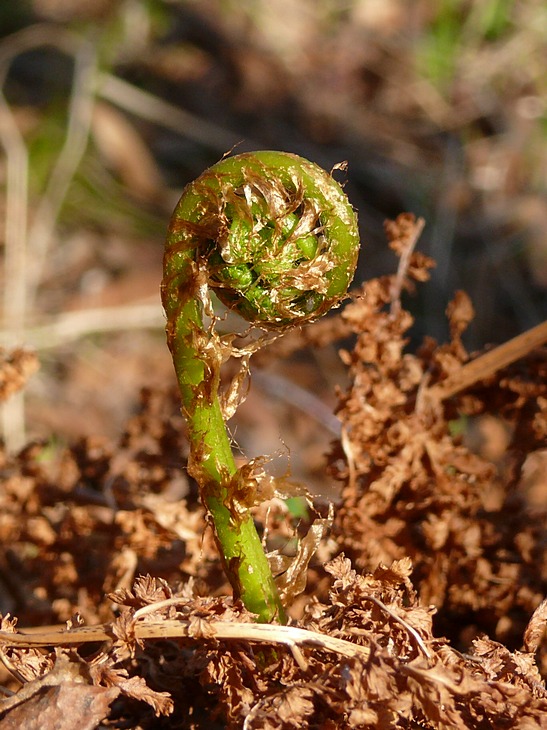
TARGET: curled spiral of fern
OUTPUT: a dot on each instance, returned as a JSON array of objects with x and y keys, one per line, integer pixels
[
  {"x": 276, "y": 239},
  {"x": 274, "y": 233}
]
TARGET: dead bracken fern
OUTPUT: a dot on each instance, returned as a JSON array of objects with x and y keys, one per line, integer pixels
[
  {"x": 413, "y": 488},
  {"x": 431, "y": 540},
  {"x": 366, "y": 658},
  {"x": 16, "y": 367}
]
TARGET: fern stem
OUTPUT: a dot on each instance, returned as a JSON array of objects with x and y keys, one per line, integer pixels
[{"x": 276, "y": 239}]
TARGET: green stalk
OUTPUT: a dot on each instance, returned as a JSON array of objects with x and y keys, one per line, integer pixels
[
  {"x": 213, "y": 467},
  {"x": 276, "y": 239}
]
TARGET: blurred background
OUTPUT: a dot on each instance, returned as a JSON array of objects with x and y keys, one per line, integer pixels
[{"x": 109, "y": 107}]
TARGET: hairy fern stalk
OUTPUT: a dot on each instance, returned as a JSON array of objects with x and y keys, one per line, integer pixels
[{"x": 276, "y": 239}]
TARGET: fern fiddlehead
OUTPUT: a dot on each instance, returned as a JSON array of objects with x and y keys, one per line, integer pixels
[{"x": 276, "y": 239}]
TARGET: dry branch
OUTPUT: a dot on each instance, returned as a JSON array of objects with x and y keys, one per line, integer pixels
[
  {"x": 289, "y": 636},
  {"x": 490, "y": 362}
]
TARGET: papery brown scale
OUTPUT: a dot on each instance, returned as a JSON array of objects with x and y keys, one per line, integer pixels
[
  {"x": 273, "y": 191},
  {"x": 307, "y": 221}
]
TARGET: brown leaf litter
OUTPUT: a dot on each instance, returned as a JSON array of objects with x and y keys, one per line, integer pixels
[
  {"x": 412, "y": 486},
  {"x": 16, "y": 367},
  {"x": 106, "y": 559}
]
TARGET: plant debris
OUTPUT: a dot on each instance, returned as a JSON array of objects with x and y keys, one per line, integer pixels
[
  {"x": 16, "y": 367},
  {"x": 425, "y": 606},
  {"x": 413, "y": 487}
]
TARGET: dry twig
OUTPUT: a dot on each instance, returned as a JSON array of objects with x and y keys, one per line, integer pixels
[
  {"x": 490, "y": 362},
  {"x": 181, "y": 628}
]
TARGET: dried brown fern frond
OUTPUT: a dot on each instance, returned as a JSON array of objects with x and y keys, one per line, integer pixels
[{"x": 412, "y": 486}]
